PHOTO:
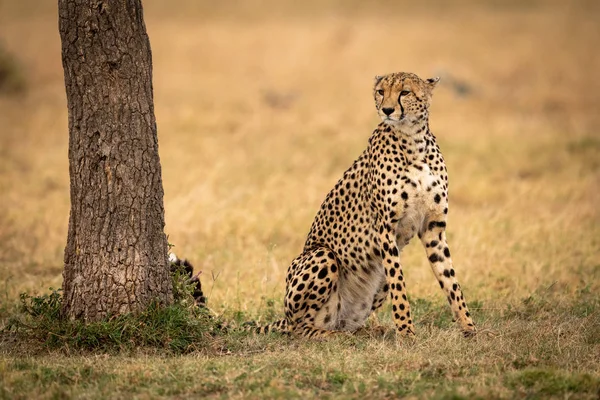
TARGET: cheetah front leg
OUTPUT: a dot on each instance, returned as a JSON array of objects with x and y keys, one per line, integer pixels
[
  {"x": 397, "y": 287},
  {"x": 434, "y": 240}
]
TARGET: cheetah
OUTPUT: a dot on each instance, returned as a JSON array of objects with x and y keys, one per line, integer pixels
[
  {"x": 184, "y": 266},
  {"x": 398, "y": 187}
]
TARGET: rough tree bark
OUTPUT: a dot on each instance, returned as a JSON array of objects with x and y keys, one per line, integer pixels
[{"x": 116, "y": 252}]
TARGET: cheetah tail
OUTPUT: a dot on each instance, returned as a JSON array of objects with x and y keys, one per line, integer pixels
[
  {"x": 183, "y": 265},
  {"x": 280, "y": 326}
]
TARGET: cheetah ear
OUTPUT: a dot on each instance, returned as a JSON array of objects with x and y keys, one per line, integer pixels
[
  {"x": 433, "y": 81},
  {"x": 378, "y": 79}
]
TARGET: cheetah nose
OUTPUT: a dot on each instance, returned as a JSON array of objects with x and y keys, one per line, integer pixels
[{"x": 387, "y": 111}]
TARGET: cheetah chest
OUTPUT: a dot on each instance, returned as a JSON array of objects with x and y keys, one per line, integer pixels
[{"x": 418, "y": 184}]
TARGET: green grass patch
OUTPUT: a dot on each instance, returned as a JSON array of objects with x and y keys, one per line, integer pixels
[
  {"x": 544, "y": 382},
  {"x": 179, "y": 328},
  {"x": 175, "y": 328}
]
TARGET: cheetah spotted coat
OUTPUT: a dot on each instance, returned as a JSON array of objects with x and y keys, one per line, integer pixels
[{"x": 398, "y": 187}]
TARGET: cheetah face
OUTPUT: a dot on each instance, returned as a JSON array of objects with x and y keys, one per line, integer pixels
[{"x": 402, "y": 99}]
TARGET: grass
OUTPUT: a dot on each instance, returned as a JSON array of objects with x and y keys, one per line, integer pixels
[
  {"x": 176, "y": 329},
  {"x": 537, "y": 348},
  {"x": 260, "y": 109}
]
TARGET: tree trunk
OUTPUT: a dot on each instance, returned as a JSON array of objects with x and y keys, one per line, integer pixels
[{"x": 116, "y": 253}]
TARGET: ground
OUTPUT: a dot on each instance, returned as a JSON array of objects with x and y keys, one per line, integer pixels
[{"x": 260, "y": 108}]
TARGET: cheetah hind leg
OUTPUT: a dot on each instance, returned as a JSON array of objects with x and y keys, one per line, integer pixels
[{"x": 311, "y": 284}]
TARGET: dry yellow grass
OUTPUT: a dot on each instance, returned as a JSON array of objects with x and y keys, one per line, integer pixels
[
  {"x": 261, "y": 107},
  {"x": 259, "y": 115}
]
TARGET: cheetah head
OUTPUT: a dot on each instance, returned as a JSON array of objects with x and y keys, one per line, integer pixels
[{"x": 402, "y": 99}]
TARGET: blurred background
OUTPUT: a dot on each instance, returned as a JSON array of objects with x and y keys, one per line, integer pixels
[{"x": 262, "y": 105}]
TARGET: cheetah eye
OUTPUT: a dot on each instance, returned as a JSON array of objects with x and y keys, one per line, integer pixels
[
  {"x": 380, "y": 91},
  {"x": 404, "y": 93}
]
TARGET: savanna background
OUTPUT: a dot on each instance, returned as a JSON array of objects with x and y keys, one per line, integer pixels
[{"x": 261, "y": 106}]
